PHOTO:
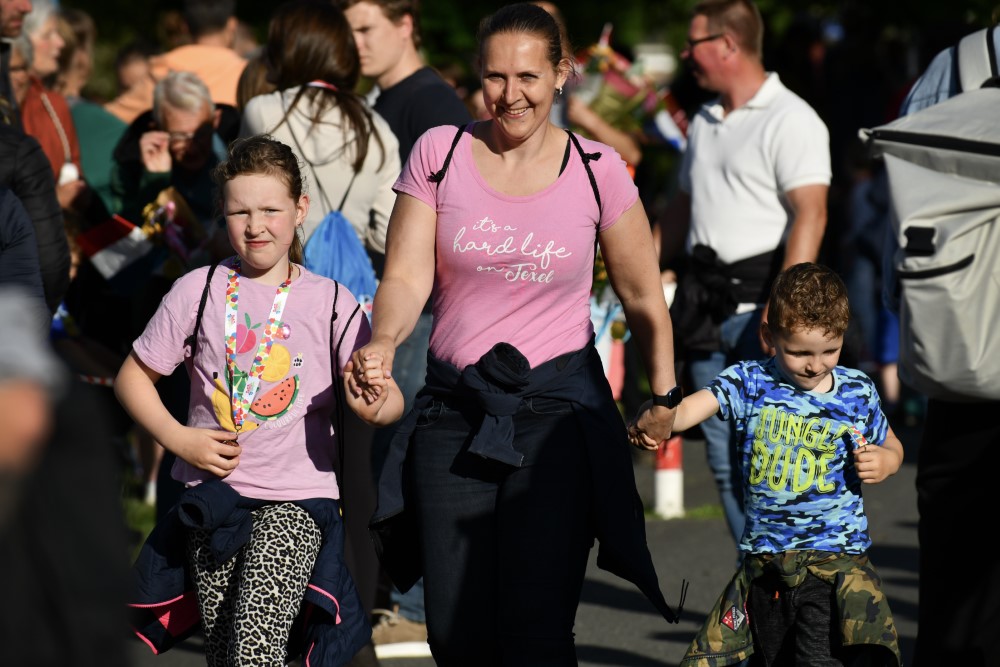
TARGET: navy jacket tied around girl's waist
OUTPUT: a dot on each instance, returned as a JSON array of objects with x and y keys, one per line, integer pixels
[
  {"x": 498, "y": 383},
  {"x": 331, "y": 627}
]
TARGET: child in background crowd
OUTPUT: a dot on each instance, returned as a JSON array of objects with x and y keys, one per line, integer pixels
[
  {"x": 810, "y": 433},
  {"x": 258, "y": 454}
]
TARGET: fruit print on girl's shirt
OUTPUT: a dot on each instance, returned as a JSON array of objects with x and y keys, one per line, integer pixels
[{"x": 275, "y": 402}]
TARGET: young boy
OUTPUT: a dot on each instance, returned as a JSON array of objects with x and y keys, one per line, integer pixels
[{"x": 809, "y": 433}]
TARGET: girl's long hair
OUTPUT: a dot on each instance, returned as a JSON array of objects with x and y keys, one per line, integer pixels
[{"x": 310, "y": 40}]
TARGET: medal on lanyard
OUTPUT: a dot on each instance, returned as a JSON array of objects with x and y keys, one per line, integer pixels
[{"x": 243, "y": 386}]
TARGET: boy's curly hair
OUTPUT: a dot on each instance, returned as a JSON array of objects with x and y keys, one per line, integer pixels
[{"x": 808, "y": 296}]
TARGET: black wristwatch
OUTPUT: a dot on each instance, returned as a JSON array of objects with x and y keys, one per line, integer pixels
[{"x": 671, "y": 399}]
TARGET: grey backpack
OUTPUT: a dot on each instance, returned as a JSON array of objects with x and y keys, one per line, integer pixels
[{"x": 943, "y": 166}]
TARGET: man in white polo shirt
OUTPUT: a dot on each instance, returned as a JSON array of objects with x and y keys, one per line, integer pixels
[{"x": 753, "y": 184}]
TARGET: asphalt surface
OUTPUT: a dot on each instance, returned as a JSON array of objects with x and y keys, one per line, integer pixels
[{"x": 616, "y": 625}]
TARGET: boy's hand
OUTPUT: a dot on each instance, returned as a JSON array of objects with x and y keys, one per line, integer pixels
[
  {"x": 874, "y": 464},
  {"x": 651, "y": 426}
]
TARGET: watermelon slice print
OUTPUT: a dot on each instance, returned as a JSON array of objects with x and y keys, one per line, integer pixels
[{"x": 277, "y": 401}]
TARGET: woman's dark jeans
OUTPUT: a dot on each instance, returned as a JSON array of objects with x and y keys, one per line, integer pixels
[{"x": 505, "y": 549}]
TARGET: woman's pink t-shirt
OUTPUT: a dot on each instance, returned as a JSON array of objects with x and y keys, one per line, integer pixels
[
  {"x": 290, "y": 455},
  {"x": 513, "y": 269}
]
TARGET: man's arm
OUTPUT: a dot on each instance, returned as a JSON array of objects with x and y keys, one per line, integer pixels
[{"x": 808, "y": 226}]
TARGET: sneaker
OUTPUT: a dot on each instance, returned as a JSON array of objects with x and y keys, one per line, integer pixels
[{"x": 395, "y": 636}]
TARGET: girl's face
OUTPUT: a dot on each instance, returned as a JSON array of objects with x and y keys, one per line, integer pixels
[
  {"x": 806, "y": 356},
  {"x": 519, "y": 83},
  {"x": 47, "y": 44},
  {"x": 262, "y": 219}
]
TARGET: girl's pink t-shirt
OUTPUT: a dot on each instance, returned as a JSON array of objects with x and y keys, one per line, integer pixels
[
  {"x": 290, "y": 453},
  {"x": 513, "y": 269}
]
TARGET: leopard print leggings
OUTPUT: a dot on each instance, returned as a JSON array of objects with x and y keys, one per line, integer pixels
[{"x": 248, "y": 603}]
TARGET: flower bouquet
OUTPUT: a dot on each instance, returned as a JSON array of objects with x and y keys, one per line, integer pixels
[
  {"x": 613, "y": 86},
  {"x": 630, "y": 96}
]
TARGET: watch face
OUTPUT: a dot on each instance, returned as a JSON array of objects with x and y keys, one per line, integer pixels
[
  {"x": 674, "y": 397},
  {"x": 671, "y": 399}
]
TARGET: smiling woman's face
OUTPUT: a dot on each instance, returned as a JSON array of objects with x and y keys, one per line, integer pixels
[
  {"x": 519, "y": 83},
  {"x": 48, "y": 44}
]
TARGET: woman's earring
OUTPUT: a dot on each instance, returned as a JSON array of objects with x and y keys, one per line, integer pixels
[{"x": 559, "y": 90}]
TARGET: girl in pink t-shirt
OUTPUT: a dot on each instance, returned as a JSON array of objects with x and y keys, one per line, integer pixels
[{"x": 268, "y": 342}]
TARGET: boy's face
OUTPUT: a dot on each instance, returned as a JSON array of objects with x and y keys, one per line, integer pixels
[{"x": 806, "y": 356}]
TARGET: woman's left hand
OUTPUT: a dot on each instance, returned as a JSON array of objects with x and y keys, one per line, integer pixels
[{"x": 653, "y": 424}]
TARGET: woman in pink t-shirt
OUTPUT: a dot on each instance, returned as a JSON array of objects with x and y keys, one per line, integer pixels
[{"x": 515, "y": 454}]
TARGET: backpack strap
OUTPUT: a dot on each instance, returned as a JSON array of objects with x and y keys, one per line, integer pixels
[
  {"x": 343, "y": 199},
  {"x": 319, "y": 185},
  {"x": 976, "y": 59},
  {"x": 438, "y": 175},
  {"x": 192, "y": 340},
  {"x": 339, "y": 396},
  {"x": 586, "y": 158}
]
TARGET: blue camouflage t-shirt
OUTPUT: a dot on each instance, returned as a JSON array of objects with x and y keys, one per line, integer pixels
[{"x": 801, "y": 487}]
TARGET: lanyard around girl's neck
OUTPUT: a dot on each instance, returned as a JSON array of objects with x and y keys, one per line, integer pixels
[{"x": 243, "y": 387}]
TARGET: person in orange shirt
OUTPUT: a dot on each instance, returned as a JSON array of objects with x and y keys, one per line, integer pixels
[{"x": 212, "y": 24}]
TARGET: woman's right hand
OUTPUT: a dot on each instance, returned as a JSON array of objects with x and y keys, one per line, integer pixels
[
  {"x": 214, "y": 451},
  {"x": 356, "y": 380}
]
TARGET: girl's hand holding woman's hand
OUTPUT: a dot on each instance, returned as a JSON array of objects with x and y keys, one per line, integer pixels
[
  {"x": 205, "y": 449},
  {"x": 368, "y": 376},
  {"x": 652, "y": 425},
  {"x": 360, "y": 369}
]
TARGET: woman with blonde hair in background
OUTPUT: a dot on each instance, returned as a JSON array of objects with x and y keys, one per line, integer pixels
[{"x": 44, "y": 112}]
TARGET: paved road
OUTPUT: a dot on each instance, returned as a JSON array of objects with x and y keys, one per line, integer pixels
[{"x": 617, "y": 627}]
